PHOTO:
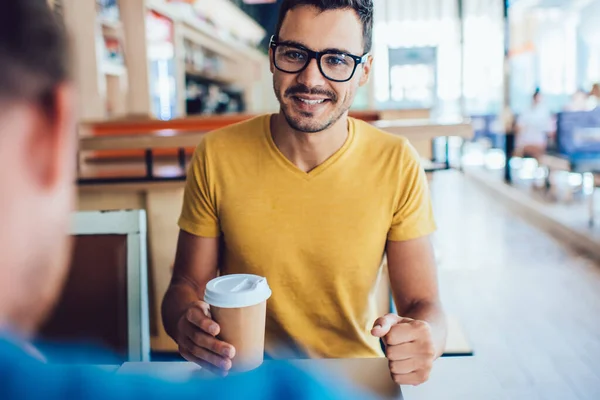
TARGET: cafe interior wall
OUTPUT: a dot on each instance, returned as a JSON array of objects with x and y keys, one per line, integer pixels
[
  {"x": 555, "y": 46},
  {"x": 469, "y": 77},
  {"x": 589, "y": 37}
]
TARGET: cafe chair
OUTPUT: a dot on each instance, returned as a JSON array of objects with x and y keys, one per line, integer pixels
[{"x": 104, "y": 304}]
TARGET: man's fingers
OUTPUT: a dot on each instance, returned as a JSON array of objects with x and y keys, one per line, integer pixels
[
  {"x": 413, "y": 378},
  {"x": 216, "y": 360},
  {"x": 204, "y": 364},
  {"x": 410, "y": 365},
  {"x": 401, "y": 351},
  {"x": 208, "y": 342},
  {"x": 403, "y": 367},
  {"x": 209, "y": 326},
  {"x": 202, "y": 306},
  {"x": 197, "y": 317},
  {"x": 205, "y": 340},
  {"x": 401, "y": 333},
  {"x": 382, "y": 325}
]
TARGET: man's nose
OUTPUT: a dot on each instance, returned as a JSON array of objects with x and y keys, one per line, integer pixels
[{"x": 311, "y": 76}]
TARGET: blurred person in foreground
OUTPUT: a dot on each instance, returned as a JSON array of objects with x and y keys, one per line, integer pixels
[
  {"x": 534, "y": 128},
  {"x": 37, "y": 170},
  {"x": 312, "y": 200}
]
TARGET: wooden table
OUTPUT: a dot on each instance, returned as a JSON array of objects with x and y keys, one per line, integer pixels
[{"x": 452, "y": 378}]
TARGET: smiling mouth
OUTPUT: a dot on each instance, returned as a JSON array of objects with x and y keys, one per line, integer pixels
[{"x": 312, "y": 102}]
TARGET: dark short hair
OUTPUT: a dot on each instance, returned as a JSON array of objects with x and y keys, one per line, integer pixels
[
  {"x": 34, "y": 52},
  {"x": 363, "y": 8}
]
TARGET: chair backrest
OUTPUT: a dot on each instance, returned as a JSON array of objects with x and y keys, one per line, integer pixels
[{"x": 105, "y": 298}]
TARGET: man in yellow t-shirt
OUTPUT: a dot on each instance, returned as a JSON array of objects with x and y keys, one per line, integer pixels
[{"x": 312, "y": 200}]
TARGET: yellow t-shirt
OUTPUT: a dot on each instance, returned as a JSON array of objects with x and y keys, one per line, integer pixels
[{"x": 318, "y": 237}]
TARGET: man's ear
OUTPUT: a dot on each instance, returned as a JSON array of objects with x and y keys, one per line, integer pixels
[
  {"x": 53, "y": 139},
  {"x": 367, "y": 68},
  {"x": 271, "y": 65}
]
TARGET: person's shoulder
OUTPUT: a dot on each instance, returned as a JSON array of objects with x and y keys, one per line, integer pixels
[{"x": 237, "y": 135}]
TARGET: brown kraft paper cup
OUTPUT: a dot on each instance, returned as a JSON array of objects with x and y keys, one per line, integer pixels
[
  {"x": 244, "y": 328},
  {"x": 238, "y": 303}
]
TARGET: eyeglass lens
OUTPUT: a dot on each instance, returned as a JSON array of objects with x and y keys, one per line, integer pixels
[{"x": 336, "y": 66}]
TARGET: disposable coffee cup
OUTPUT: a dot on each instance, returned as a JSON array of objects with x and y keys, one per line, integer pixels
[{"x": 238, "y": 303}]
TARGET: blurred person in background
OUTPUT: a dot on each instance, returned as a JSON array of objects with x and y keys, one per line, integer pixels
[
  {"x": 594, "y": 98},
  {"x": 38, "y": 146},
  {"x": 579, "y": 101},
  {"x": 312, "y": 200},
  {"x": 534, "y": 127}
]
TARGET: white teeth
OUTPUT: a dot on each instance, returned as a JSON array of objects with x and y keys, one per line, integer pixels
[{"x": 312, "y": 102}]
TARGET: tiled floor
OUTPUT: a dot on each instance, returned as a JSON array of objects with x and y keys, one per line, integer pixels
[{"x": 530, "y": 307}]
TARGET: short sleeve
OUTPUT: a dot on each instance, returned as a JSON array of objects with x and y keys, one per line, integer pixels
[
  {"x": 413, "y": 217},
  {"x": 199, "y": 212}
]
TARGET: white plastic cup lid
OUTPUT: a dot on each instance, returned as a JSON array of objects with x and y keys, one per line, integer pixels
[{"x": 236, "y": 291}]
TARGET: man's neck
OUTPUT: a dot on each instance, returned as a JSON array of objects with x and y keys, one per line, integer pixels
[{"x": 308, "y": 150}]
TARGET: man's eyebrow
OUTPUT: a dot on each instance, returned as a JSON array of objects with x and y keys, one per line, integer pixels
[{"x": 293, "y": 43}]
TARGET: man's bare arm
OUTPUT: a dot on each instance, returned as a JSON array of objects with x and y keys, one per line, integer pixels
[
  {"x": 416, "y": 336},
  {"x": 196, "y": 263},
  {"x": 186, "y": 317},
  {"x": 414, "y": 282}
]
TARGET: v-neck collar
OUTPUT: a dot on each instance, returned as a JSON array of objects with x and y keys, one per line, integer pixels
[{"x": 286, "y": 163}]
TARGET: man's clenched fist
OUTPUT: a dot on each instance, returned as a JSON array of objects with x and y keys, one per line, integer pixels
[{"x": 408, "y": 347}]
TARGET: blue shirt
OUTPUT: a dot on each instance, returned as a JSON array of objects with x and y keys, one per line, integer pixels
[{"x": 24, "y": 377}]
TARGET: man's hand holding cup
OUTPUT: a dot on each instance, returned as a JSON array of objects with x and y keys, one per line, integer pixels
[
  {"x": 226, "y": 331},
  {"x": 197, "y": 333}
]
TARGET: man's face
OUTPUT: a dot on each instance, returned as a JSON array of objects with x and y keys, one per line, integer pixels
[
  {"x": 37, "y": 171},
  {"x": 309, "y": 101}
]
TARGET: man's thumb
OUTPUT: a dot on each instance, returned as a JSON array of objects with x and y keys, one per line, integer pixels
[{"x": 382, "y": 325}]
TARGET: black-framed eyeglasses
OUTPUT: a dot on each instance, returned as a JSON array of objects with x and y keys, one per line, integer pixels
[{"x": 334, "y": 65}]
